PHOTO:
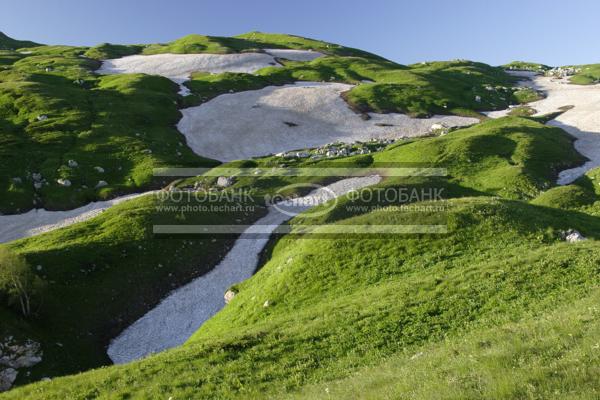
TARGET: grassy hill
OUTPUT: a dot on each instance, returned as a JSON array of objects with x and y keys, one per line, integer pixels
[
  {"x": 252, "y": 41},
  {"x": 56, "y": 109},
  {"x": 547, "y": 355},
  {"x": 588, "y": 75},
  {"x": 357, "y": 303},
  {"x": 383, "y": 86},
  {"x": 8, "y": 43},
  {"x": 526, "y": 66},
  {"x": 338, "y": 306},
  {"x": 500, "y": 306}
]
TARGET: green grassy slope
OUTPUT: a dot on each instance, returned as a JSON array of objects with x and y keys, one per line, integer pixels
[
  {"x": 383, "y": 86},
  {"x": 103, "y": 274},
  {"x": 252, "y": 41},
  {"x": 526, "y": 66},
  {"x": 552, "y": 355},
  {"x": 54, "y": 109},
  {"x": 8, "y": 43},
  {"x": 336, "y": 305},
  {"x": 580, "y": 195},
  {"x": 512, "y": 157},
  {"x": 341, "y": 304},
  {"x": 588, "y": 75}
]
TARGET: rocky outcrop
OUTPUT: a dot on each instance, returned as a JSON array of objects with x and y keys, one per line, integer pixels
[
  {"x": 225, "y": 181},
  {"x": 573, "y": 236},
  {"x": 15, "y": 356}
]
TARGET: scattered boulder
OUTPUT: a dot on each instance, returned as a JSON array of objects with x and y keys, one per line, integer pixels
[
  {"x": 37, "y": 185},
  {"x": 42, "y": 117},
  {"x": 72, "y": 164},
  {"x": 563, "y": 72},
  {"x": 99, "y": 169},
  {"x": 573, "y": 236},
  {"x": 440, "y": 129},
  {"x": 37, "y": 177},
  {"x": 63, "y": 182},
  {"x": 7, "y": 378},
  {"x": 225, "y": 181},
  {"x": 14, "y": 356},
  {"x": 478, "y": 99},
  {"x": 229, "y": 295},
  {"x": 266, "y": 304},
  {"x": 101, "y": 184},
  {"x": 17, "y": 180}
]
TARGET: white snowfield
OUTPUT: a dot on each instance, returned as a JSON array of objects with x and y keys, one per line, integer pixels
[
  {"x": 180, "y": 314},
  {"x": 255, "y": 123},
  {"x": 179, "y": 67},
  {"x": 35, "y": 222},
  {"x": 582, "y": 121}
]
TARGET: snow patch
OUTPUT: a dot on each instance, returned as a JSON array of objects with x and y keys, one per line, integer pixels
[
  {"x": 180, "y": 314},
  {"x": 256, "y": 122},
  {"x": 294, "y": 55},
  {"x": 582, "y": 121},
  {"x": 179, "y": 67},
  {"x": 35, "y": 222}
]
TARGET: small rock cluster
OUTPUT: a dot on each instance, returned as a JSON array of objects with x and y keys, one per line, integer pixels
[
  {"x": 14, "y": 356},
  {"x": 39, "y": 181},
  {"x": 531, "y": 68},
  {"x": 563, "y": 72},
  {"x": 339, "y": 149}
]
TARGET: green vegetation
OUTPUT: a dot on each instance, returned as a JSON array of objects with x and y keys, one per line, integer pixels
[
  {"x": 552, "y": 355},
  {"x": 340, "y": 304},
  {"x": 581, "y": 195},
  {"x": 277, "y": 40},
  {"x": 8, "y": 43},
  {"x": 452, "y": 280},
  {"x": 498, "y": 307},
  {"x": 106, "y": 51},
  {"x": 19, "y": 286},
  {"x": 512, "y": 157},
  {"x": 526, "y": 95},
  {"x": 456, "y": 87},
  {"x": 252, "y": 41},
  {"x": 588, "y": 75},
  {"x": 114, "y": 261},
  {"x": 56, "y": 109},
  {"x": 526, "y": 66},
  {"x": 116, "y": 128}
]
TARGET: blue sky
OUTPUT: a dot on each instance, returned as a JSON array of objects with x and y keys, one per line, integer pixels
[{"x": 495, "y": 32}]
